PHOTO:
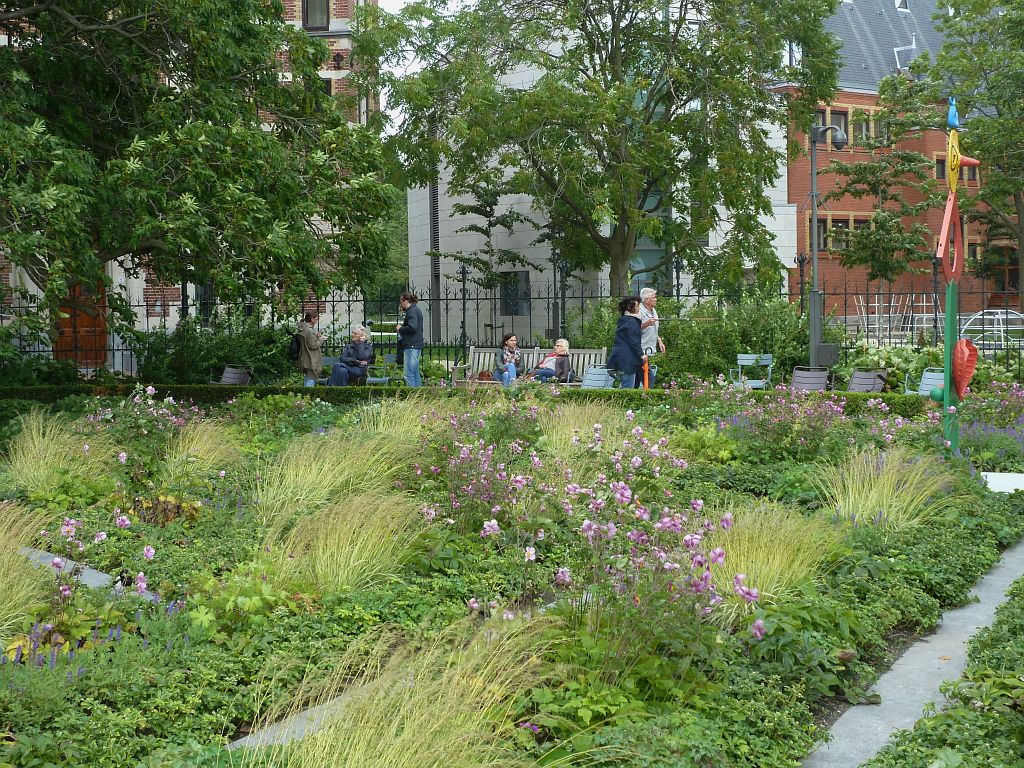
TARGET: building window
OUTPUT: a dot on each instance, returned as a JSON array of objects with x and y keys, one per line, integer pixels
[
  {"x": 881, "y": 131},
  {"x": 327, "y": 85},
  {"x": 842, "y": 121},
  {"x": 862, "y": 224},
  {"x": 972, "y": 173},
  {"x": 940, "y": 168},
  {"x": 822, "y": 233},
  {"x": 861, "y": 132},
  {"x": 840, "y": 234},
  {"x": 316, "y": 14},
  {"x": 515, "y": 293},
  {"x": 820, "y": 117},
  {"x": 794, "y": 55},
  {"x": 972, "y": 252}
]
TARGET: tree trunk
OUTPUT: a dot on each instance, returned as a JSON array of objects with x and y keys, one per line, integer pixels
[{"x": 620, "y": 254}]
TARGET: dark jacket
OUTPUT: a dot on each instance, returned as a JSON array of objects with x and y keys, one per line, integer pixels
[
  {"x": 410, "y": 335},
  {"x": 356, "y": 352},
  {"x": 627, "y": 356},
  {"x": 560, "y": 365}
]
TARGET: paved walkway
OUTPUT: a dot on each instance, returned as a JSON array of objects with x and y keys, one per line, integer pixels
[
  {"x": 914, "y": 680},
  {"x": 90, "y": 577}
]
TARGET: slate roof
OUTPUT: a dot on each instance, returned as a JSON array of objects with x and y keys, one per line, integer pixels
[{"x": 870, "y": 30}]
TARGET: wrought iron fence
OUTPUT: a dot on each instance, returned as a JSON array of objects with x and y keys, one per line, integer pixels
[{"x": 458, "y": 315}]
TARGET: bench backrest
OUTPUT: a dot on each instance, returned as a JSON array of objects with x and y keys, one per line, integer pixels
[
  {"x": 236, "y": 375},
  {"x": 482, "y": 359},
  {"x": 931, "y": 378},
  {"x": 596, "y": 377},
  {"x": 811, "y": 379},
  {"x": 867, "y": 381}
]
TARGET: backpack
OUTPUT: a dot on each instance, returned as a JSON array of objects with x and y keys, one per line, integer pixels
[{"x": 295, "y": 347}]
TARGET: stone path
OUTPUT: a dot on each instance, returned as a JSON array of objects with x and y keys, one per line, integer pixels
[
  {"x": 914, "y": 680},
  {"x": 88, "y": 576}
]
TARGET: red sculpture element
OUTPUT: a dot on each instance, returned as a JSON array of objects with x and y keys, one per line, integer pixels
[
  {"x": 952, "y": 258},
  {"x": 965, "y": 360}
]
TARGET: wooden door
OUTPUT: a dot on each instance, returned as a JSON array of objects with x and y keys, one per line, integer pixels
[{"x": 82, "y": 334}]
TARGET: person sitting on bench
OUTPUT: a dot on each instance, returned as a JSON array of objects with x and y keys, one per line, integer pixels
[
  {"x": 355, "y": 358},
  {"x": 554, "y": 365}
]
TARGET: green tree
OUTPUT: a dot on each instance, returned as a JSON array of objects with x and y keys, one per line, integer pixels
[
  {"x": 612, "y": 112},
  {"x": 897, "y": 179},
  {"x": 982, "y": 65},
  {"x": 139, "y": 132}
]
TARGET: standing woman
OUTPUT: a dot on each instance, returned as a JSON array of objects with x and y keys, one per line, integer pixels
[
  {"x": 507, "y": 360},
  {"x": 311, "y": 359},
  {"x": 627, "y": 355}
]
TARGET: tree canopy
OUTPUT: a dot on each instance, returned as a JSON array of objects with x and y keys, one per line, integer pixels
[
  {"x": 622, "y": 118},
  {"x": 982, "y": 65},
  {"x": 164, "y": 135}
]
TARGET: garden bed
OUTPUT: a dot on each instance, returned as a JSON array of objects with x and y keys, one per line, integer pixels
[{"x": 677, "y": 575}]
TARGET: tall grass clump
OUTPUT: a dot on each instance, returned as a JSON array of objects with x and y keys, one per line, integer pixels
[
  {"x": 777, "y": 548},
  {"x": 21, "y": 583},
  {"x": 354, "y": 542},
  {"x": 47, "y": 448},
  {"x": 892, "y": 489},
  {"x": 198, "y": 450},
  {"x": 403, "y": 418},
  {"x": 316, "y": 469},
  {"x": 568, "y": 427},
  {"x": 447, "y": 705}
]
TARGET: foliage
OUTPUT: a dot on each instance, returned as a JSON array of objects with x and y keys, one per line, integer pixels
[
  {"x": 777, "y": 548},
  {"x": 21, "y": 584},
  {"x": 564, "y": 426},
  {"x": 891, "y": 489},
  {"x": 139, "y": 136},
  {"x": 607, "y": 135},
  {"x": 895, "y": 178},
  {"x": 982, "y": 55},
  {"x": 48, "y": 448},
  {"x": 196, "y": 453},
  {"x": 901, "y": 361},
  {"x": 358, "y": 541},
  {"x": 993, "y": 449}
]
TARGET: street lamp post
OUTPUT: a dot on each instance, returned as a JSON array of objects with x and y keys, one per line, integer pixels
[
  {"x": 563, "y": 278},
  {"x": 819, "y": 134}
]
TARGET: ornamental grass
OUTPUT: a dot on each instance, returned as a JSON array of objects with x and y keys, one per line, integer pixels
[
  {"x": 570, "y": 427},
  {"x": 355, "y": 542},
  {"x": 47, "y": 448},
  {"x": 449, "y": 704},
  {"x": 22, "y": 584},
  {"x": 892, "y": 489},
  {"x": 775, "y": 548},
  {"x": 403, "y": 419},
  {"x": 200, "y": 449}
]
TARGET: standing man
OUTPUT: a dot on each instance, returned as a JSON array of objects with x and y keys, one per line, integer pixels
[
  {"x": 650, "y": 341},
  {"x": 410, "y": 338},
  {"x": 311, "y": 359}
]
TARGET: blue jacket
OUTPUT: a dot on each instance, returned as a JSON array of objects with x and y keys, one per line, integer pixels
[
  {"x": 627, "y": 356},
  {"x": 410, "y": 335}
]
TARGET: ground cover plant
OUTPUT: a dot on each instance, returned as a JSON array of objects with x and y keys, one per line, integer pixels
[{"x": 674, "y": 582}]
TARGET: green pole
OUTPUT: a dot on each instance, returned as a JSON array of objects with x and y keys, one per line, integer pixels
[{"x": 950, "y": 416}]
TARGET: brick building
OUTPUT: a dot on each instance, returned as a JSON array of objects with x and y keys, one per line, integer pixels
[{"x": 879, "y": 38}]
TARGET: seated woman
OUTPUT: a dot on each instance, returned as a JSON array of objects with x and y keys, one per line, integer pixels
[
  {"x": 554, "y": 365},
  {"x": 507, "y": 360},
  {"x": 355, "y": 359},
  {"x": 627, "y": 356}
]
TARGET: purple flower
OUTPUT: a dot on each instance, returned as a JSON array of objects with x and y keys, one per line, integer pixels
[
  {"x": 65, "y": 590},
  {"x": 122, "y": 457},
  {"x": 717, "y": 556},
  {"x": 563, "y": 577},
  {"x": 757, "y": 629},
  {"x": 123, "y": 521},
  {"x": 589, "y": 528},
  {"x": 140, "y": 583},
  {"x": 726, "y": 521},
  {"x": 539, "y": 536},
  {"x": 531, "y": 726},
  {"x": 148, "y": 552},
  {"x": 508, "y": 615},
  {"x": 622, "y": 493},
  {"x": 697, "y": 505},
  {"x": 57, "y": 563},
  {"x": 100, "y": 536},
  {"x": 222, "y": 473},
  {"x": 150, "y": 390},
  {"x": 473, "y": 604},
  {"x": 491, "y": 528}
]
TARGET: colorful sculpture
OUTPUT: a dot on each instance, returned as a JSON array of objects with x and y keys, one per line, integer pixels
[{"x": 951, "y": 252}]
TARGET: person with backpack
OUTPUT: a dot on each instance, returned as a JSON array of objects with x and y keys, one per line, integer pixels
[
  {"x": 410, "y": 338},
  {"x": 310, "y": 358}
]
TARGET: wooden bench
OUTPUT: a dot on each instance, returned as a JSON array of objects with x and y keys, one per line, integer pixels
[
  {"x": 481, "y": 359},
  {"x": 235, "y": 375}
]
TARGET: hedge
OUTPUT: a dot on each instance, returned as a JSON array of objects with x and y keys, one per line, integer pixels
[{"x": 907, "y": 406}]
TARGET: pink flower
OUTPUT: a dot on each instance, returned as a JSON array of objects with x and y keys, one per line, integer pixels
[
  {"x": 491, "y": 528},
  {"x": 697, "y": 505},
  {"x": 473, "y": 604},
  {"x": 717, "y": 556},
  {"x": 123, "y": 521},
  {"x": 140, "y": 583},
  {"x": 508, "y": 615},
  {"x": 150, "y": 390},
  {"x": 222, "y": 473},
  {"x": 148, "y": 552},
  {"x": 530, "y": 554},
  {"x": 122, "y": 457},
  {"x": 726, "y": 521},
  {"x": 757, "y": 629},
  {"x": 539, "y": 535},
  {"x": 563, "y": 577},
  {"x": 57, "y": 563},
  {"x": 65, "y": 590},
  {"x": 100, "y": 536}
]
